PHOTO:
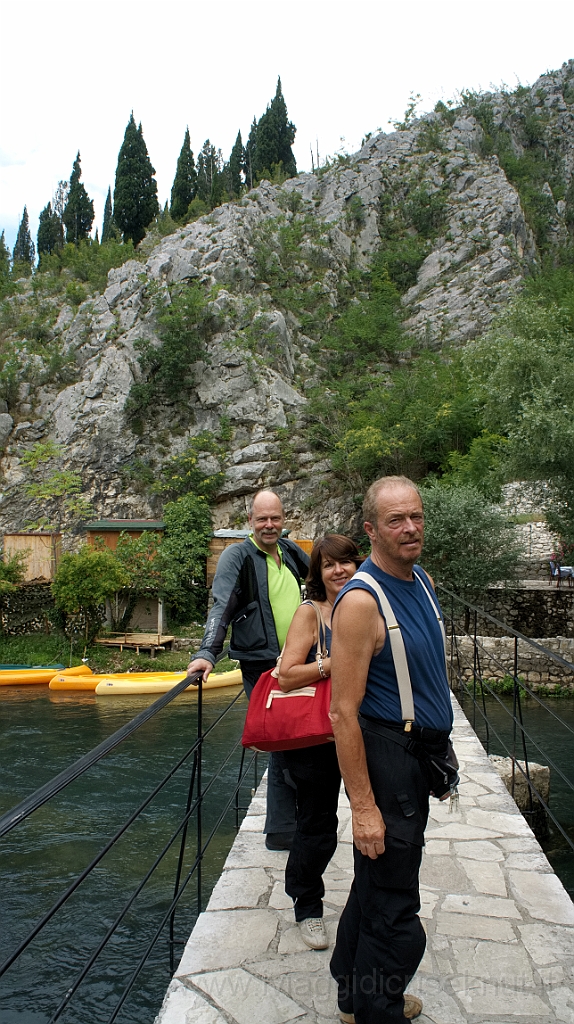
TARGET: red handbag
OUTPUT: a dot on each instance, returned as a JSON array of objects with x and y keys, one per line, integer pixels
[{"x": 286, "y": 721}]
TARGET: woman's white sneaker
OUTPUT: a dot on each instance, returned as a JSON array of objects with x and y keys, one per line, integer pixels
[{"x": 313, "y": 933}]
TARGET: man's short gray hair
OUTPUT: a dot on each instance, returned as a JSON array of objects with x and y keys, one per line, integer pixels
[
  {"x": 384, "y": 483},
  {"x": 265, "y": 490}
]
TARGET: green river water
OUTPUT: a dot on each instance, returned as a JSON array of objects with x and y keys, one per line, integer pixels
[{"x": 40, "y": 734}]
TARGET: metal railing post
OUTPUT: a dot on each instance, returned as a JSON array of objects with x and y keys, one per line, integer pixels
[{"x": 199, "y": 832}]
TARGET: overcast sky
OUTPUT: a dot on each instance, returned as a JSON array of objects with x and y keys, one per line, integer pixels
[{"x": 71, "y": 72}]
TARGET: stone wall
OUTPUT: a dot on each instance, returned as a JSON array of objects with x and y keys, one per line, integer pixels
[
  {"x": 496, "y": 656},
  {"x": 27, "y": 610},
  {"x": 534, "y": 611}
]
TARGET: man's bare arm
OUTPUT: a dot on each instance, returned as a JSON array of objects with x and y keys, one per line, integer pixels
[{"x": 358, "y": 630}]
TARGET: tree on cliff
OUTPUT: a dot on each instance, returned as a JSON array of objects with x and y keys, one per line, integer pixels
[
  {"x": 209, "y": 170},
  {"x": 236, "y": 161},
  {"x": 4, "y": 259},
  {"x": 79, "y": 212},
  {"x": 50, "y": 232},
  {"x": 523, "y": 373},
  {"x": 185, "y": 182},
  {"x": 109, "y": 227},
  {"x": 5, "y": 282},
  {"x": 274, "y": 138},
  {"x": 24, "y": 252},
  {"x": 249, "y": 154},
  {"x": 61, "y": 198},
  {"x": 135, "y": 192}
]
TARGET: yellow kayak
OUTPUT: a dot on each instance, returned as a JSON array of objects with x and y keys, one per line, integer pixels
[
  {"x": 77, "y": 682},
  {"x": 111, "y": 685},
  {"x": 18, "y": 677}
]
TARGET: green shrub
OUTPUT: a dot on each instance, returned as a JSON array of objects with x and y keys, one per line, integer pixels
[
  {"x": 140, "y": 560},
  {"x": 185, "y": 324},
  {"x": 355, "y": 212},
  {"x": 402, "y": 259},
  {"x": 196, "y": 209},
  {"x": 12, "y": 571},
  {"x": 181, "y": 474},
  {"x": 469, "y": 544},
  {"x": 75, "y": 294},
  {"x": 81, "y": 585},
  {"x": 426, "y": 210},
  {"x": 87, "y": 262},
  {"x": 183, "y": 551}
]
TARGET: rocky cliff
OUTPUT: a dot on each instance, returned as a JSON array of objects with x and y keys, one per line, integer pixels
[{"x": 311, "y": 233}]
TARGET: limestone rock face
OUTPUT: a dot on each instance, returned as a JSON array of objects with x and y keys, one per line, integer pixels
[
  {"x": 261, "y": 353},
  {"x": 6, "y": 424}
]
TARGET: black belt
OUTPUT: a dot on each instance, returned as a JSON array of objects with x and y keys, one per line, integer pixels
[{"x": 417, "y": 732}]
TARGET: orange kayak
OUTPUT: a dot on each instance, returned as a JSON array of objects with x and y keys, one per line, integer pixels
[{"x": 19, "y": 677}]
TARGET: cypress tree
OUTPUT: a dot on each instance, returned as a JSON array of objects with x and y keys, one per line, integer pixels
[
  {"x": 286, "y": 131},
  {"x": 208, "y": 165},
  {"x": 275, "y": 136},
  {"x": 50, "y": 232},
  {"x": 109, "y": 229},
  {"x": 135, "y": 192},
  {"x": 236, "y": 161},
  {"x": 24, "y": 251},
  {"x": 217, "y": 189},
  {"x": 4, "y": 259},
  {"x": 79, "y": 212},
  {"x": 61, "y": 198},
  {"x": 185, "y": 182},
  {"x": 249, "y": 155}
]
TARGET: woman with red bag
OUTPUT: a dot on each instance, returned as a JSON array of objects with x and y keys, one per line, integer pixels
[{"x": 314, "y": 770}]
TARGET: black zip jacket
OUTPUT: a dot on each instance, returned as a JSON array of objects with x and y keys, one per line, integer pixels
[{"x": 241, "y": 600}]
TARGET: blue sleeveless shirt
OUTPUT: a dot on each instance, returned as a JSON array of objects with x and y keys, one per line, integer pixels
[{"x": 424, "y": 649}]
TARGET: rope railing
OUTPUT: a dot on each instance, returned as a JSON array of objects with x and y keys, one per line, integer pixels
[
  {"x": 477, "y": 689},
  {"x": 479, "y": 686},
  {"x": 191, "y": 811}
]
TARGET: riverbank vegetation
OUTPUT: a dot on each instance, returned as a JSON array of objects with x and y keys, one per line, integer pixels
[{"x": 43, "y": 649}]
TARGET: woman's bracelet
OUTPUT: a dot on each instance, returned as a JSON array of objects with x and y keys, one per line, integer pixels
[{"x": 322, "y": 672}]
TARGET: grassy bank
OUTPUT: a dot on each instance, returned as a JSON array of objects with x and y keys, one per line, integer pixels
[{"x": 40, "y": 649}]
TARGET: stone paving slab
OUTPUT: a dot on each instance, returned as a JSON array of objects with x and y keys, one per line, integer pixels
[{"x": 499, "y": 924}]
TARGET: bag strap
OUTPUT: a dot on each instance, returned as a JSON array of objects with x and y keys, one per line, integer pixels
[
  {"x": 397, "y": 650},
  {"x": 321, "y": 630}
]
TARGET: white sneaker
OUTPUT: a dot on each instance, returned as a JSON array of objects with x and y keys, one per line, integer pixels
[{"x": 313, "y": 933}]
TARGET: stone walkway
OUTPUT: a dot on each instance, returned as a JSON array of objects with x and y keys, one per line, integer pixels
[{"x": 500, "y": 925}]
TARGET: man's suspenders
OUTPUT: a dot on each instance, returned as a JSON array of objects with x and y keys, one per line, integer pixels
[{"x": 398, "y": 645}]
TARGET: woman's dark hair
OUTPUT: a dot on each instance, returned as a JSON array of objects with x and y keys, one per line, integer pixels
[{"x": 332, "y": 545}]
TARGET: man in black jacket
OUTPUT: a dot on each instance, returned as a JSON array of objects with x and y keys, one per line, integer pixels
[{"x": 256, "y": 591}]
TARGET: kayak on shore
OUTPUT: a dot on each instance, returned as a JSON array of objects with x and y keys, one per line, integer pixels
[
  {"x": 39, "y": 676},
  {"x": 57, "y": 666}
]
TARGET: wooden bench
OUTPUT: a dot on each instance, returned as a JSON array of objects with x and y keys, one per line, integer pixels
[{"x": 148, "y": 641}]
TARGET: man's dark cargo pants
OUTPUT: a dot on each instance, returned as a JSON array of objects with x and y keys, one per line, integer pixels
[{"x": 380, "y": 940}]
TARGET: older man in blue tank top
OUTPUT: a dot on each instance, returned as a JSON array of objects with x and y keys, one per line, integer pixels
[{"x": 380, "y": 940}]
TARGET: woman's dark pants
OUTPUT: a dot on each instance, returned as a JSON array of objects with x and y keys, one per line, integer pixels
[{"x": 315, "y": 772}]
